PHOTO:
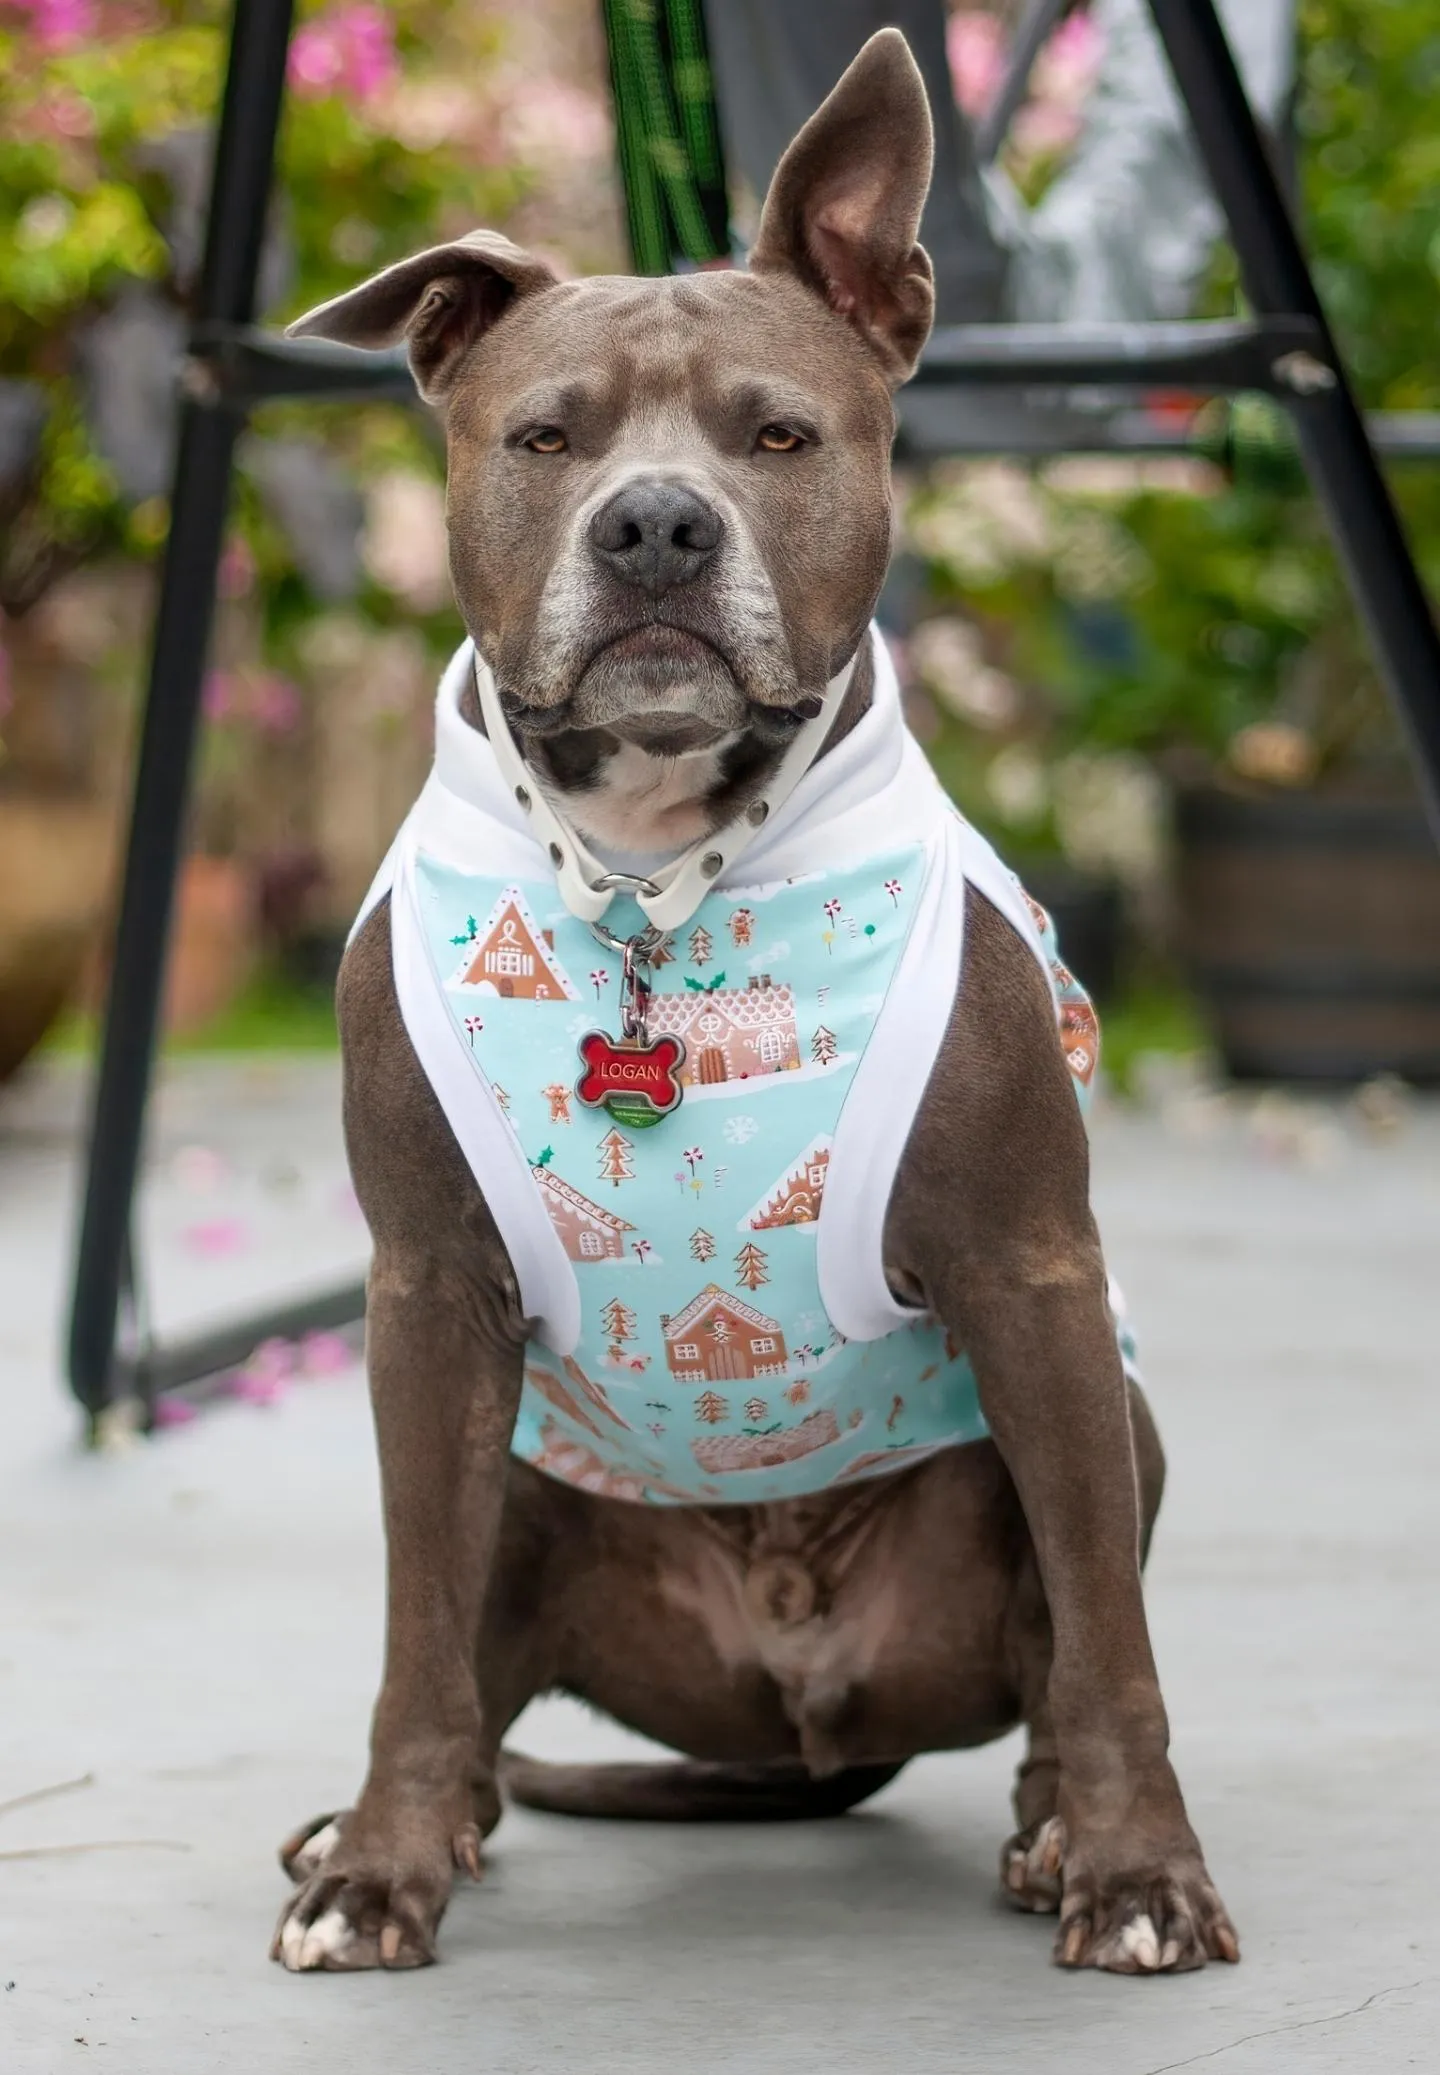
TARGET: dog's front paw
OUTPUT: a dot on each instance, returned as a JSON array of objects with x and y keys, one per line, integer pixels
[
  {"x": 1030, "y": 1866},
  {"x": 305, "y": 1852},
  {"x": 362, "y": 1904},
  {"x": 1133, "y": 1909}
]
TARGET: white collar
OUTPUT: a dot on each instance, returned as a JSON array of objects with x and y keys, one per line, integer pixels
[{"x": 670, "y": 893}]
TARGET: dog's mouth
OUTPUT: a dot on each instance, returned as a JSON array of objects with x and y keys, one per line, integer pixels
[{"x": 663, "y": 688}]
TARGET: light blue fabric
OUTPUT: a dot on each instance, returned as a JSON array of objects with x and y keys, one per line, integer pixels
[{"x": 707, "y": 1368}]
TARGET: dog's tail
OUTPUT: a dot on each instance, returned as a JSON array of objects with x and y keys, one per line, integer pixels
[{"x": 689, "y": 1790}]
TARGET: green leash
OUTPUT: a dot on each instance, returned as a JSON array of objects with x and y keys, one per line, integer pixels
[{"x": 670, "y": 158}]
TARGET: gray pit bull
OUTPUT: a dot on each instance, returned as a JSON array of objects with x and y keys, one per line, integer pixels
[{"x": 670, "y": 513}]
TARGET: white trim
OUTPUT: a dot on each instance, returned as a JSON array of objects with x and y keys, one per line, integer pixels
[
  {"x": 549, "y": 1294},
  {"x": 882, "y": 1101}
]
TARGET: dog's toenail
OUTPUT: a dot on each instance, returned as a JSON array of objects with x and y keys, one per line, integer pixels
[{"x": 390, "y": 1944}]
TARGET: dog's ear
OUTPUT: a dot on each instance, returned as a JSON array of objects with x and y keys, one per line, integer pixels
[
  {"x": 439, "y": 302},
  {"x": 844, "y": 206}
]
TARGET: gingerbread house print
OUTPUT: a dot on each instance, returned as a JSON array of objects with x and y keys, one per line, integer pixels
[
  {"x": 719, "y": 1338},
  {"x": 796, "y": 1197},
  {"x": 588, "y": 1232},
  {"x": 731, "y": 1033},
  {"x": 511, "y": 957}
]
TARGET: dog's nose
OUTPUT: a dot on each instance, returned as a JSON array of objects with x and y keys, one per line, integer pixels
[{"x": 655, "y": 534}]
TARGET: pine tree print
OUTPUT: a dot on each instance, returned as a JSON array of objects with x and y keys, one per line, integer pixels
[
  {"x": 702, "y": 945},
  {"x": 711, "y": 1407},
  {"x": 702, "y": 1245},
  {"x": 823, "y": 1048},
  {"x": 751, "y": 1265},
  {"x": 664, "y": 952},
  {"x": 616, "y": 1164},
  {"x": 755, "y": 1410},
  {"x": 617, "y": 1322}
]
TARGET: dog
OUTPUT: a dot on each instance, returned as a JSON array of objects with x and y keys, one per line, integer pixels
[{"x": 670, "y": 516}]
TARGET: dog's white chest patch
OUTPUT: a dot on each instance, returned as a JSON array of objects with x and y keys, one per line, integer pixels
[{"x": 645, "y": 803}]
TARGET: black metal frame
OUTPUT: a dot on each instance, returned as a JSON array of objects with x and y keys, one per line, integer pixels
[{"x": 1286, "y": 350}]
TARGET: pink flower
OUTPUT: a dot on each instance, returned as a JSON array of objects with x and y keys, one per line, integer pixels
[
  {"x": 274, "y": 705},
  {"x": 1043, "y": 127},
  {"x": 217, "y": 701},
  {"x": 237, "y": 568},
  {"x": 348, "y": 50},
  {"x": 56, "y": 24},
  {"x": 173, "y": 1412},
  {"x": 1065, "y": 69},
  {"x": 267, "y": 1374},
  {"x": 215, "y": 1238},
  {"x": 325, "y": 1354},
  {"x": 975, "y": 45}
]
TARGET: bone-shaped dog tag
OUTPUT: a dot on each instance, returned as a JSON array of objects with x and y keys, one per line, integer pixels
[{"x": 636, "y": 1083}]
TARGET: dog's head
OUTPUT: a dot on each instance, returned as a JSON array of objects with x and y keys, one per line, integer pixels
[{"x": 669, "y": 500}]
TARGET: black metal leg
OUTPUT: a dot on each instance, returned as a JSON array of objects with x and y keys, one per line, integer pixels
[
  {"x": 239, "y": 195},
  {"x": 1331, "y": 433}
]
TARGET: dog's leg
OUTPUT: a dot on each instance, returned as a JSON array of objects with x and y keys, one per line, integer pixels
[
  {"x": 1030, "y": 1860},
  {"x": 991, "y": 1223},
  {"x": 444, "y": 1348}
]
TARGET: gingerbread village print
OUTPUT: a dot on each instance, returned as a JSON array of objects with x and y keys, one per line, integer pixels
[
  {"x": 795, "y": 1198},
  {"x": 508, "y": 955},
  {"x": 730, "y": 1033},
  {"x": 587, "y": 1231},
  {"x": 715, "y": 1374}
]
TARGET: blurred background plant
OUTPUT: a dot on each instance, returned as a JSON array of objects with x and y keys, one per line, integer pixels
[
  {"x": 1105, "y": 628},
  {"x": 406, "y": 124}
]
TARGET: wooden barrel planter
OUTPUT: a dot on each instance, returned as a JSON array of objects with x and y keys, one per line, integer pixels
[{"x": 1310, "y": 923}]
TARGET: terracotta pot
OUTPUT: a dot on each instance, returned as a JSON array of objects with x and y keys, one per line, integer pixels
[
  {"x": 56, "y": 859},
  {"x": 212, "y": 941},
  {"x": 1311, "y": 926}
]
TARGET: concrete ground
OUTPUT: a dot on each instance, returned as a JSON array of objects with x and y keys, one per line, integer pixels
[{"x": 195, "y": 1623}]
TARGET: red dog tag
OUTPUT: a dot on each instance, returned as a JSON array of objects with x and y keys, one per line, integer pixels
[{"x": 637, "y": 1083}]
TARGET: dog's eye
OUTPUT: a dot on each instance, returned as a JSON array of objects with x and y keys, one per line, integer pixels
[
  {"x": 546, "y": 439},
  {"x": 779, "y": 439}
]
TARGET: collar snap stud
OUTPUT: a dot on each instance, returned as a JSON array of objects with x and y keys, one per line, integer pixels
[
  {"x": 557, "y": 856},
  {"x": 523, "y": 797},
  {"x": 710, "y": 864},
  {"x": 756, "y": 812}
]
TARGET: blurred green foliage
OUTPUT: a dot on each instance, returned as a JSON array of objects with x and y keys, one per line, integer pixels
[
  {"x": 89, "y": 92},
  {"x": 1166, "y": 608}
]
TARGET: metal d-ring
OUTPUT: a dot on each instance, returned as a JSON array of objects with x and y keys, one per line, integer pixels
[{"x": 613, "y": 882}]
